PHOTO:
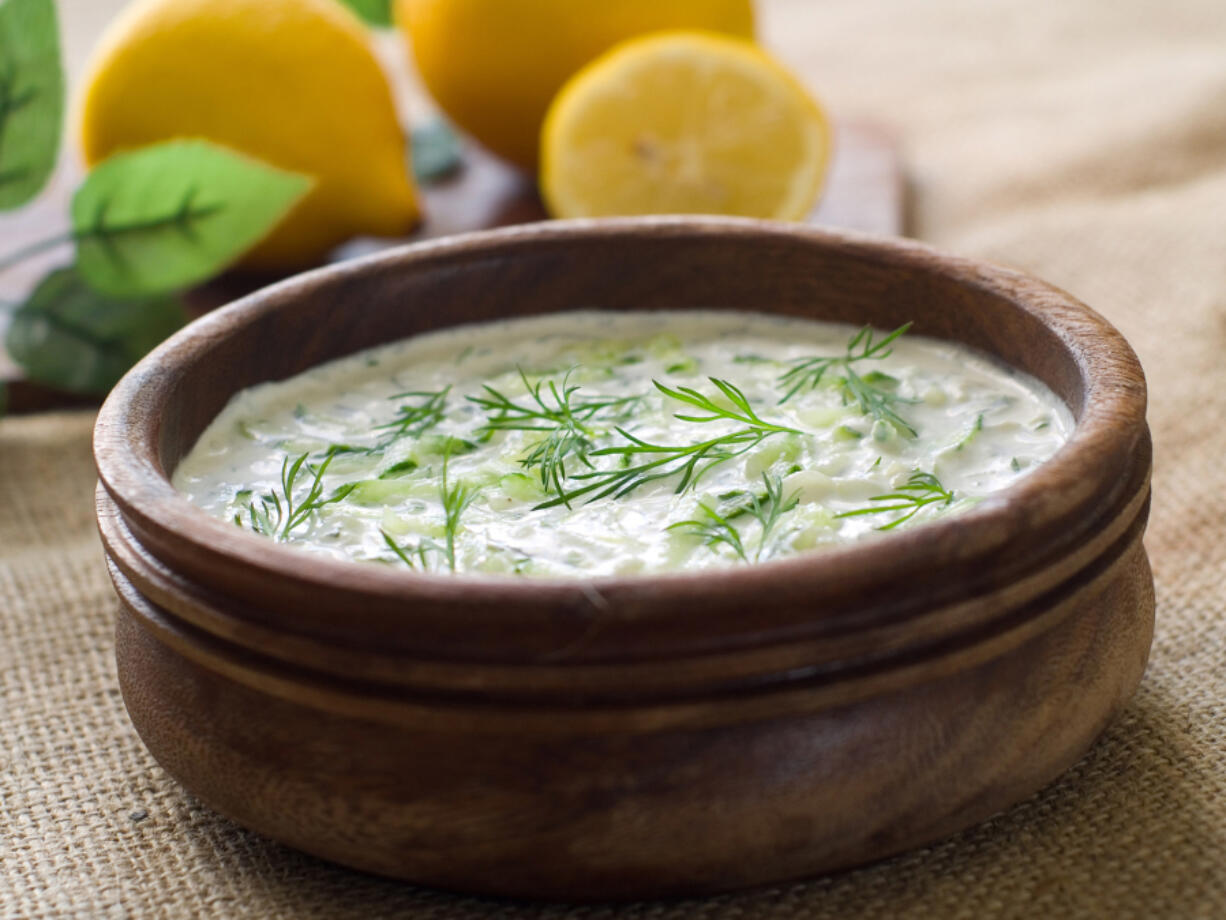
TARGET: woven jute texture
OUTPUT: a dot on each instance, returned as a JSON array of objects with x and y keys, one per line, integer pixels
[{"x": 1084, "y": 142}]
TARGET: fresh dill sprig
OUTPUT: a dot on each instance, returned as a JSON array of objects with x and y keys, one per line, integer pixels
[
  {"x": 560, "y": 415},
  {"x": 455, "y": 498},
  {"x": 276, "y": 515},
  {"x": 713, "y": 529},
  {"x": 742, "y": 412},
  {"x": 872, "y": 393},
  {"x": 412, "y": 421},
  {"x": 807, "y": 373},
  {"x": 691, "y": 461},
  {"x": 716, "y": 526},
  {"x": 921, "y": 489},
  {"x": 972, "y": 434},
  {"x": 768, "y": 508},
  {"x": 875, "y": 397},
  {"x": 408, "y": 553}
]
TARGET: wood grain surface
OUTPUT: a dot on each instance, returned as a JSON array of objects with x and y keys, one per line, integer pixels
[{"x": 575, "y": 739}]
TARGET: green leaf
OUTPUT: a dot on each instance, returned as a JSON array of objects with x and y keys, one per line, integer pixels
[
  {"x": 175, "y": 214},
  {"x": 436, "y": 150},
  {"x": 31, "y": 98},
  {"x": 69, "y": 336},
  {"x": 372, "y": 12}
]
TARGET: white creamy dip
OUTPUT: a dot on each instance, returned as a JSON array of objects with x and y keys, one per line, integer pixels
[{"x": 787, "y": 451}]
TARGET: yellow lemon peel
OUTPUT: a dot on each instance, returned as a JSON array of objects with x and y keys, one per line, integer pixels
[{"x": 291, "y": 82}]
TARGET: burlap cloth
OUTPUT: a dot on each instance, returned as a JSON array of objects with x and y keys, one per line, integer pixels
[{"x": 1083, "y": 142}]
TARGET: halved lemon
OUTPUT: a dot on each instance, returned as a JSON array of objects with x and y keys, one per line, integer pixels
[{"x": 684, "y": 123}]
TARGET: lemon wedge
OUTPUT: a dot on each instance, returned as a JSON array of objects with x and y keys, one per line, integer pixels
[{"x": 684, "y": 123}]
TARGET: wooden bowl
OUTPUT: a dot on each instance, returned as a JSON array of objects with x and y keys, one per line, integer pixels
[{"x": 626, "y": 737}]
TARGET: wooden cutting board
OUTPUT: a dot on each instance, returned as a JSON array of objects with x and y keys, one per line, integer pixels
[{"x": 865, "y": 191}]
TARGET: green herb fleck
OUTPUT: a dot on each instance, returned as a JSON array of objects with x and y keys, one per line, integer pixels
[
  {"x": 971, "y": 435},
  {"x": 399, "y": 469}
]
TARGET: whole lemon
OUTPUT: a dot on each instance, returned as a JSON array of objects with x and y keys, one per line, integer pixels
[
  {"x": 291, "y": 82},
  {"x": 494, "y": 65}
]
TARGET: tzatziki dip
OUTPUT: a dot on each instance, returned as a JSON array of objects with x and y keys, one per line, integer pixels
[{"x": 599, "y": 443}]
